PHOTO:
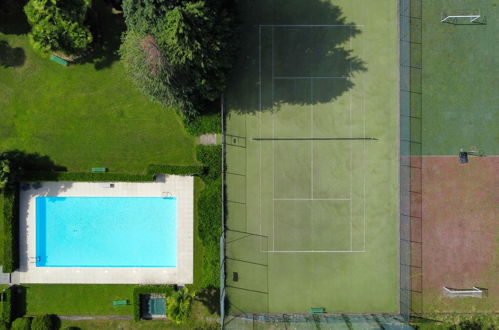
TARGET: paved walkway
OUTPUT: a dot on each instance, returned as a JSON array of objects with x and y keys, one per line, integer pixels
[{"x": 208, "y": 139}]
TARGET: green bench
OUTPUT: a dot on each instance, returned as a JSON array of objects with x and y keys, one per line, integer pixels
[
  {"x": 123, "y": 302},
  {"x": 59, "y": 60},
  {"x": 317, "y": 310},
  {"x": 99, "y": 170}
]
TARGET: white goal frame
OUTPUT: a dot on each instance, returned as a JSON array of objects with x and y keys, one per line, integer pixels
[{"x": 455, "y": 293}]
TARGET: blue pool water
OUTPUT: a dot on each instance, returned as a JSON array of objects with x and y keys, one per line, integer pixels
[{"x": 106, "y": 232}]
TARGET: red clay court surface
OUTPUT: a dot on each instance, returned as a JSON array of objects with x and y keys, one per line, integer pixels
[{"x": 456, "y": 207}]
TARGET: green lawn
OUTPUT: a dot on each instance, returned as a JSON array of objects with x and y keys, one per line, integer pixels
[
  {"x": 314, "y": 223},
  {"x": 459, "y": 81},
  {"x": 77, "y": 299},
  {"x": 87, "y": 115}
]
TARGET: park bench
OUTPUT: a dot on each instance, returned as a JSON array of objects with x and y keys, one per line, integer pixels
[
  {"x": 59, "y": 60},
  {"x": 317, "y": 310},
  {"x": 99, "y": 170},
  {"x": 123, "y": 302}
]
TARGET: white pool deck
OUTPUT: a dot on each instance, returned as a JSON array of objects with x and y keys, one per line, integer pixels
[{"x": 181, "y": 187}]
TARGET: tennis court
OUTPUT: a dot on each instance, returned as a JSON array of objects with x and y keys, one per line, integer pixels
[{"x": 312, "y": 161}]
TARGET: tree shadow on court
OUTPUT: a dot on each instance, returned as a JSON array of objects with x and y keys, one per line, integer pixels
[
  {"x": 9, "y": 56},
  {"x": 283, "y": 44}
]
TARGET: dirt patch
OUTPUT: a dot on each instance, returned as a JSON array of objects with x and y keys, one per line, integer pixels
[{"x": 459, "y": 231}]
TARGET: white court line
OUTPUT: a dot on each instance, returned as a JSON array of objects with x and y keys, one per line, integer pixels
[
  {"x": 260, "y": 118},
  {"x": 273, "y": 148},
  {"x": 310, "y": 25},
  {"x": 351, "y": 152},
  {"x": 319, "y": 251},
  {"x": 311, "y": 141},
  {"x": 365, "y": 150},
  {"x": 307, "y": 77},
  {"x": 311, "y": 199}
]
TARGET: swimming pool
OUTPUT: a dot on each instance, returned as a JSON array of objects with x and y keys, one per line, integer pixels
[{"x": 106, "y": 232}]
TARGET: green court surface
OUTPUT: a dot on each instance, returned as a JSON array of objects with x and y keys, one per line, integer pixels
[
  {"x": 312, "y": 159},
  {"x": 460, "y": 67}
]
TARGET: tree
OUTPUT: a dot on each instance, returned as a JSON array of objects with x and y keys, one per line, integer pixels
[
  {"x": 193, "y": 45},
  {"x": 179, "y": 305},
  {"x": 58, "y": 25}
]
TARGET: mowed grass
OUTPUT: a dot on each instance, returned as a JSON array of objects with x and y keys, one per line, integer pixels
[
  {"x": 77, "y": 299},
  {"x": 459, "y": 82},
  {"x": 85, "y": 116}
]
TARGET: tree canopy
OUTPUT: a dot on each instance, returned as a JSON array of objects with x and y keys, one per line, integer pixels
[
  {"x": 58, "y": 25},
  {"x": 178, "y": 52}
]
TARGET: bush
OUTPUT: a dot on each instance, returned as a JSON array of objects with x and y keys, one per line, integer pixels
[
  {"x": 10, "y": 228},
  {"x": 211, "y": 157},
  {"x": 85, "y": 176},
  {"x": 44, "y": 322},
  {"x": 57, "y": 25},
  {"x": 211, "y": 267},
  {"x": 204, "y": 124},
  {"x": 22, "y": 323},
  {"x": 179, "y": 305},
  {"x": 175, "y": 169},
  {"x": 4, "y": 325},
  {"x": 148, "y": 289}
]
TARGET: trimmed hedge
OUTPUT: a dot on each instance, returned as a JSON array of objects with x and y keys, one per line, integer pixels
[
  {"x": 175, "y": 169},
  {"x": 44, "y": 322},
  {"x": 204, "y": 124},
  {"x": 10, "y": 228},
  {"x": 211, "y": 157},
  {"x": 167, "y": 290},
  {"x": 22, "y": 323},
  {"x": 8, "y": 305},
  {"x": 85, "y": 176}
]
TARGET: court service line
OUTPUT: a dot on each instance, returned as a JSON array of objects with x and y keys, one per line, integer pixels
[
  {"x": 311, "y": 142},
  {"x": 260, "y": 117},
  {"x": 318, "y": 251},
  {"x": 308, "y": 77},
  {"x": 310, "y": 25},
  {"x": 311, "y": 199}
]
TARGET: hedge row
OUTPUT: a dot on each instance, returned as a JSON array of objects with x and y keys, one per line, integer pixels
[
  {"x": 167, "y": 290},
  {"x": 175, "y": 169},
  {"x": 85, "y": 176},
  {"x": 8, "y": 314},
  {"x": 204, "y": 124},
  {"x": 10, "y": 228}
]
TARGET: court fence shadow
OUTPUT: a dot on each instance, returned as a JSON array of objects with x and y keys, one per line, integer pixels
[{"x": 290, "y": 41}]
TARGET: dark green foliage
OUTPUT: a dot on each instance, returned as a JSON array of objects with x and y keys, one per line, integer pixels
[
  {"x": 85, "y": 176},
  {"x": 178, "y": 52},
  {"x": 148, "y": 289},
  {"x": 22, "y": 323},
  {"x": 175, "y": 169},
  {"x": 211, "y": 157},
  {"x": 210, "y": 213},
  {"x": 44, "y": 322},
  {"x": 8, "y": 305},
  {"x": 10, "y": 228},
  {"x": 3, "y": 325},
  {"x": 204, "y": 124},
  {"x": 211, "y": 266},
  {"x": 4, "y": 172},
  {"x": 58, "y": 25},
  {"x": 179, "y": 305}
]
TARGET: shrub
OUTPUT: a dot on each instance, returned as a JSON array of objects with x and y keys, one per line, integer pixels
[
  {"x": 211, "y": 157},
  {"x": 57, "y": 25},
  {"x": 148, "y": 289},
  {"x": 4, "y": 172},
  {"x": 204, "y": 124},
  {"x": 4, "y": 325},
  {"x": 179, "y": 305},
  {"x": 211, "y": 266},
  {"x": 43, "y": 322},
  {"x": 10, "y": 228},
  {"x": 22, "y": 323}
]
